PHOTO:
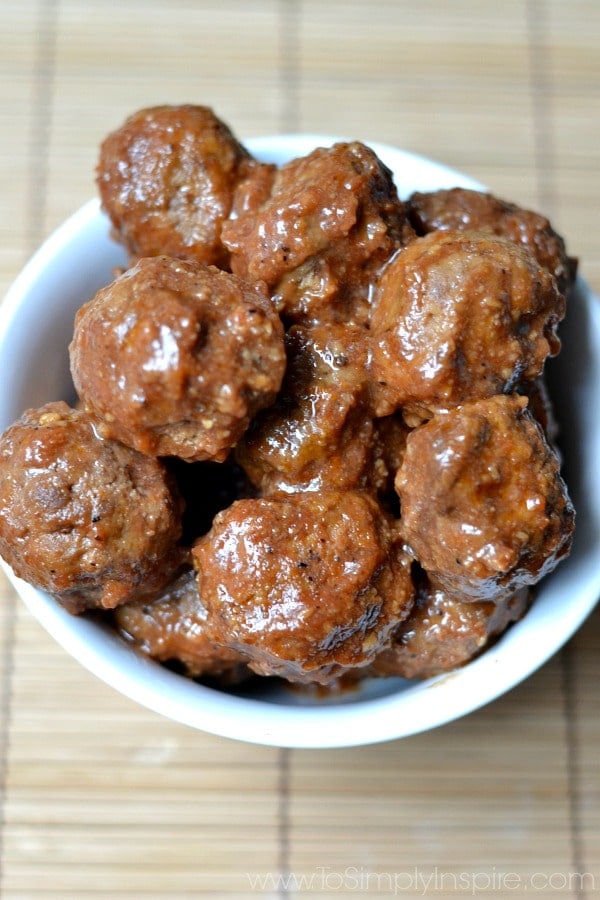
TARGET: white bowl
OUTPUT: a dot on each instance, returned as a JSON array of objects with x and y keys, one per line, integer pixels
[{"x": 35, "y": 329}]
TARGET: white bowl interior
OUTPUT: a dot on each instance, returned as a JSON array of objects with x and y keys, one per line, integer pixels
[{"x": 35, "y": 329}]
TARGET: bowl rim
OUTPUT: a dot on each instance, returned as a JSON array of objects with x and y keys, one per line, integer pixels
[{"x": 351, "y": 720}]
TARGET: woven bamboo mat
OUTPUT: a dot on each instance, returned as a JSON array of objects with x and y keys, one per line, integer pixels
[{"x": 103, "y": 799}]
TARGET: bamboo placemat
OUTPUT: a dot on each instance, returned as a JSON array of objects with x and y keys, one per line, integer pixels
[{"x": 103, "y": 799}]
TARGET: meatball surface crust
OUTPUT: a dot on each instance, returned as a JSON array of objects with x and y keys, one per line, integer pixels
[
  {"x": 332, "y": 220},
  {"x": 171, "y": 629},
  {"x": 460, "y": 209},
  {"x": 484, "y": 508},
  {"x": 174, "y": 358},
  {"x": 305, "y": 586},
  {"x": 444, "y": 632},
  {"x": 460, "y": 316},
  {"x": 317, "y": 435},
  {"x": 167, "y": 179},
  {"x": 90, "y": 521}
]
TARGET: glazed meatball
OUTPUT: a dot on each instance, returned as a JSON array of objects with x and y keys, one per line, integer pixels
[
  {"x": 459, "y": 317},
  {"x": 444, "y": 632},
  {"x": 484, "y": 509},
  {"x": 332, "y": 219},
  {"x": 90, "y": 521},
  {"x": 459, "y": 209},
  {"x": 317, "y": 435},
  {"x": 171, "y": 629},
  {"x": 304, "y": 586},
  {"x": 174, "y": 358},
  {"x": 167, "y": 179}
]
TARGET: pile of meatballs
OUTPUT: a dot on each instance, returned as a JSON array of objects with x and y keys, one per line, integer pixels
[{"x": 312, "y": 437}]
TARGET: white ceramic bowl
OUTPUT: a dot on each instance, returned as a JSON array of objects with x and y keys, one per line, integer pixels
[{"x": 35, "y": 329}]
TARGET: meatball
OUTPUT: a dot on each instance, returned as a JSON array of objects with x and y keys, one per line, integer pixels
[
  {"x": 167, "y": 179},
  {"x": 459, "y": 317},
  {"x": 305, "y": 586},
  {"x": 484, "y": 508},
  {"x": 90, "y": 521},
  {"x": 174, "y": 358},
  {"x": 460, "y": 209},
  {"x": 443, "y": 632},
  {"x": 332, "y": 219},
  {"x": 317, "y": 435},
  {"x": 171, "y": 629}
]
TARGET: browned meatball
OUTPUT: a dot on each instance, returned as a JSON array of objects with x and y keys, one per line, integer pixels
[
  {"x": 171, "y": 629},
  {"x": 443, "y": 632},
  {"x": 174, "y": 358},
  {"x": 167, "y": 178},
  {"x": 306, "y": 585},
  {"x": 317, "y": 434},
  {"x": 91, "y": 521},
  {"x": 466, "y": 210},
  {"x": 484, "y": 508},
  {"x": 332, "y": 219},
  {"x": 460, "y": 316}
]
